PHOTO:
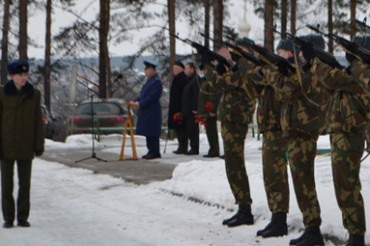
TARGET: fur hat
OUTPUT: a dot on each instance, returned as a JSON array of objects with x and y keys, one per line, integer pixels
[
  {"x": 315, "y": 39},
  {"x": 245, "y": 42},
  {"x": 179, "y": 63},
  {"x": 149, "y": 64},
  {"x": 18, "y": 66},
  {"x": 285, "y": 44}
]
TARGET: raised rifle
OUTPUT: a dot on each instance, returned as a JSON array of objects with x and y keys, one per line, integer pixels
[
  {"x": 351, "y": 47},
  {"x": 238, "y": 51},
  {"x": 271, "y": 56},
  {"x": 362, "y": 23},
  {"x": 319, "y": 53},
  {"x": 202, "y": 49}
]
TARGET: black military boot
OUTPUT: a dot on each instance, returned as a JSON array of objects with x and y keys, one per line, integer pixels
[
  {"x": 244, "y": 216},
  {"x": 355, "y": 240},
  {"x": 277, "y": 227},
  {"x": 311, "y": 236}
]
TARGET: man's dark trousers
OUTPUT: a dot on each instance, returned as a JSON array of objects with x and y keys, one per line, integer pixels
[
  {"x": 212, "y": 136},
  {"x": 24, "y": 179},
  {"x": 182, "y": 138}
]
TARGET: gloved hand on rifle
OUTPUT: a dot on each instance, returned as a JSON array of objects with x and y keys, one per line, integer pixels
[
  {"x": 308, "y": 53},
  {"x": 283, "y": 69},
  {"x": 205, "y": 57}
]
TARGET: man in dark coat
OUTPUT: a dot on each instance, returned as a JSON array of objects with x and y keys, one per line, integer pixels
[
  {"x": 190, "y": 106},
  {"x": 22, "y": 137},
  {"x": 174, "y": 109},
  {"x": 150, "y": 113}
]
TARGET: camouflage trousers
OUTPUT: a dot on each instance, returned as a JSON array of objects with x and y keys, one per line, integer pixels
[
  {"x": 233, "y": 135},
  {"x": 275, "y": 175},
  {"x": 301, "y": 155},
  {"x": 346, "y": 153}
]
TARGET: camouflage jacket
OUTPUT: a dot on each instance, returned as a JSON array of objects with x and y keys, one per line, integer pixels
[
  {"x": 361, "y": 73},
  {"x": 349, "y": 106},
  {"x": 270, "y": 102},
  {"x": 304, "y": 107},
  {"x": 238, "y": 93}
]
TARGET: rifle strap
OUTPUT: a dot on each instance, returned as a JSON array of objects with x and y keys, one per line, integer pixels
[
  {"x": 298, "y": 69},
  {"x": 355, "y": 55}
]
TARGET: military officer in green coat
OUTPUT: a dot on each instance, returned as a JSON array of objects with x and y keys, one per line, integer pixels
[{"x": 22, "y": 137}]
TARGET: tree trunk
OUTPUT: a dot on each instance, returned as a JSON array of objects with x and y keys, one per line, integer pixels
[
  {"x": 47, "y": 55},
  {"x": 23, "y": 36},
  {"x": 330, "y": 25},
  {"x": 103, "y": 43},
  {"x": 353, "y": 16},
  {"x": 4, "y": 43},
  {"x": 172, "y": 26},
  {"x": 284, "y": 13},
  {"x": 207, "y": 8},
  {"x": 293, "y": 11},
  {"x": 218, "y": 10},
  {"x": 269, "y": 21}
]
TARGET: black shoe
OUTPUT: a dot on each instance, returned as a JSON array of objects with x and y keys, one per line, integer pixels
[
  {"x": 276, "y": 228},
  {"x": 242, "y": 217},
  {"x": 210, "y": 156},
  {"x": 311, "y": 236},
  {"x": 355, "y": 240},
  {"x": 192, "y": 152},
  {"x": 179, "y": 152},
  {"x": 151, "y": 156},
  {"x": 222, "y": 157},
  {"x": 8, "y": 224},
  {"x": 23, "y": 223}
]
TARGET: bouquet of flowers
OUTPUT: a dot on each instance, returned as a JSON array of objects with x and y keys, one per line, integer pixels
[
  {"x": 178, "y": 117},
  {"x": 202, "y": 118}
]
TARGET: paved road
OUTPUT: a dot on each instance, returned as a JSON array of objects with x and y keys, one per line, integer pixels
[{"x": 140, "y": 171}]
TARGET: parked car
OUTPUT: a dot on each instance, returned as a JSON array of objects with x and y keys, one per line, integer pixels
[
  {"x": 52, "y": 125},
  {"x": 109, "y": 116}
]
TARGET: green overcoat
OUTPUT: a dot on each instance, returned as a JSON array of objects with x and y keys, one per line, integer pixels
[{"x": 21, "y": 126}]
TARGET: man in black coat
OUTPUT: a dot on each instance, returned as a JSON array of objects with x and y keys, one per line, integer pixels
[
  {"x": 190, "y": 106},
  {"x": 174, "y": 109}
]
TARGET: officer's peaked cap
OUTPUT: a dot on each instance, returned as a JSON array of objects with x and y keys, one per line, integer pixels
[{"x": 149, "y": 64}]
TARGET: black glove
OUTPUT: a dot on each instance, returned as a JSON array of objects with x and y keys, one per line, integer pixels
[
  {"x": 220, "y": 68},
  {"x": 38, "y": 152},
  {"x": 205, "y": 58},
  {"x": 306, "y": 66},
  {"x": 283, "y": 69},
  {"x": 235, "y": 57},
  {"x": 308, "y": 53},
  {"x": 350, "y": 58},
  {"x": 348, "y": 70}
]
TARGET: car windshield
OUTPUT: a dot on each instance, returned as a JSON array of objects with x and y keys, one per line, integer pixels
[{"x": 99, "y": 108}]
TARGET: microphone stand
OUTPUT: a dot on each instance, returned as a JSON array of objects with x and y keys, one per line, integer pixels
[{"x": 93, "y": 154}]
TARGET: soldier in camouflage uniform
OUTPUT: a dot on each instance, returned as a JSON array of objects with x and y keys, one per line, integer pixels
[
  {"x": 235, "y": 111},
  {"x": 361, "y": 73},
  {"x": 347, "y": 122},
  {"x": 302, "y": 121},
  {"x": 274, "y": 154}
]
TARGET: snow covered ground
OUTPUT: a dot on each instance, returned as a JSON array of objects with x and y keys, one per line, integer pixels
[{"x": 72, "y": 206}]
